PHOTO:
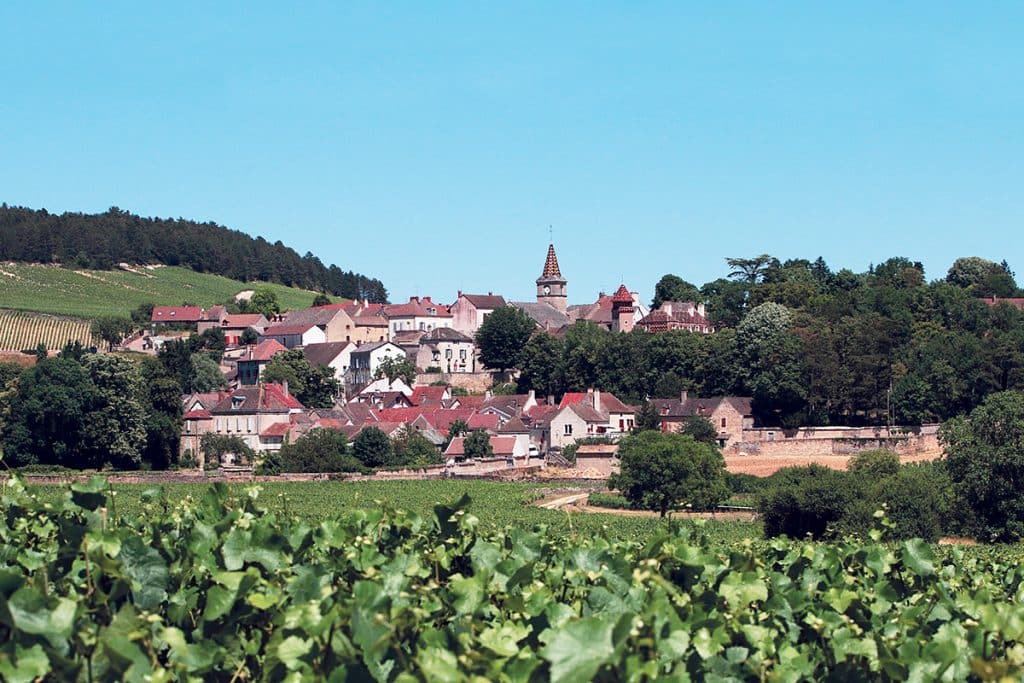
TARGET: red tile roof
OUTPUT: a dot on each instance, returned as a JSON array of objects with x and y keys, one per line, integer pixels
[
  {"x": 176, "y": 314},
  {"x": 551, "y": 270},
  {"x": 417, "y": 307},
  {"x": 276, "y": 429},
  {"x": 242, "y": 320},
  {"x": 428, "y": 395},
  {"x": 197, "y": 415},
  {"x": 501, "y": 445},
  {"x": 479, "y": 421},
  {"x": 265, "y": 398},
  {"x": 278, "y": 330},
  {"x": 1016, "y": 302},
  {"x": 622, "y": 296},
  {"x": 265, "y": 350}
]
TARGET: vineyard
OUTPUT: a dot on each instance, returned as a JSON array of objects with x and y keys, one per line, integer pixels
[
  {"x": 93, "y": 293},
  {"x": 20, "y": 330},
  {"x": 219, "y": 588}
]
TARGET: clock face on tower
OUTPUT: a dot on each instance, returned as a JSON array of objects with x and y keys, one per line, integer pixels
[{"x": 547, "y": 289}]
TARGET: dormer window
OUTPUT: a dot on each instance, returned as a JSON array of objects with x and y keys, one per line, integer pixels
[{"x": 236, "y": 402}]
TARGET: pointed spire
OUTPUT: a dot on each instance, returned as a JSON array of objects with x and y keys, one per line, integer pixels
[
  {"x": 622, "y": 296},
  {"x": 551, "y": 265}
]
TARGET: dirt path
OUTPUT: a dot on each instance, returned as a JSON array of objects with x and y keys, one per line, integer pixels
[
  {"x": 562, "y": 501},
  {"x": 577, "y": 502}
]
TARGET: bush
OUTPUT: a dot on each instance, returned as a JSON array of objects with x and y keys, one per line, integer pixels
[
  {"x": 611, "y": 501},
  {"x": 806, "y": 501},
  {"x": 744, "y": 483},
  {"x": 874, "y": 464},
  {"x": 321, "y": 450}
]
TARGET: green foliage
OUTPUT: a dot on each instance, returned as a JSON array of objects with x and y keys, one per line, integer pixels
[
  {"x": 478, "y": 445},
  {"x": 225, "y": 587},
  {"x": 674, "y": 288},
  {"x": 985, "y": 458},
  {"x": 111, "y": 329},
  {"x": 102, "y": 241},
  {"x": 206, "y": 374},
  {"x": 372, "y": 448},
  {"x": 320, "y": 450},
  {"x": 216, "y": 446},
  {"x": 701, "y": 429},
  {"x": 611, "y": 501},
  {"x": 412, "y": 449},
  {"x": 321, "y": 299},
  {"x": 248, "y": 337},
  {"x": 541, "y": 366},
  {"x": 264, "y": 301},
  {"x": 314, "y": 387},
  {"x": 662, "y": 471},
  {"x": 822, "y": 503},
  {"x": 396, "y": 367},
  {"x": 503, "y": 336},
  {"x": 647, "y": 418}
]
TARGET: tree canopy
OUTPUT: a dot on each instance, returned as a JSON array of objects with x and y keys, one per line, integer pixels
[{"x": 502, "y": 336}]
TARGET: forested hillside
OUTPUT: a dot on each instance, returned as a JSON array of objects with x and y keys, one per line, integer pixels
[{"x": 100, "y": 241}]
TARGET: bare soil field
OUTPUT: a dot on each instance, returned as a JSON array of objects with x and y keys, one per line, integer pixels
[{"x": 762, "y": 465}]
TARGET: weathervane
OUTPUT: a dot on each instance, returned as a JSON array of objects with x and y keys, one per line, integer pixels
[{"x": 551, "y": 235}]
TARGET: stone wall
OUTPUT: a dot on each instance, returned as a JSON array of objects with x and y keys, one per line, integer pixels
[
  {"x": 473, "y": 382},
  {"x": 822, "y": 441}
]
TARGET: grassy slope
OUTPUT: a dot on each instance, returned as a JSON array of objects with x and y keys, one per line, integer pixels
[{"x": 88, "y": 294}]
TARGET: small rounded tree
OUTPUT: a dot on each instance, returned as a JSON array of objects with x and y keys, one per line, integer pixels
[
  {"x": 372, "y": 447},
  {"x": 663, "y": 471}
]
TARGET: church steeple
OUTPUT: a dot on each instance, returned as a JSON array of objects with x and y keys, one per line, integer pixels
[{"x": 551, "y": 286}]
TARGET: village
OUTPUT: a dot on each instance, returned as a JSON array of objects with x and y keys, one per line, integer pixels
[{"x": 451, "y": 388}]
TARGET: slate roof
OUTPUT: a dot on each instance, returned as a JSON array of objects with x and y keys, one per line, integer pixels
[
  {"x": 543, "y": 313},
  {"x": 325, "y": 352},
  {"x": 447, "y": 334},
  {"x": 486, "y": 301},
  {"x": 700, "y": 406}
]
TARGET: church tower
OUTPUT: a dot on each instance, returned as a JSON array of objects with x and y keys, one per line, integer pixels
[{"x": 551, "y": 284}]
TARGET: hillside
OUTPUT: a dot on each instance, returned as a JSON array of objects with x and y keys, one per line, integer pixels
[
  {"x": 101, "y": 241},
  {"x": 25, "y": 330},
  {"x": 91, "y": 293}
]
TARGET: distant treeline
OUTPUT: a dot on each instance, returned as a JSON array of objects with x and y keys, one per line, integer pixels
[{"x": 100, "y": 241}]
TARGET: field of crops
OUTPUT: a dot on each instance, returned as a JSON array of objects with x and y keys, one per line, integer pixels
[
  {"x": 92, "y": 293},
  {"x": 21, "y": 330},
  {"x": 496, "y": 504},
  {"x": 222, "y": 589}
]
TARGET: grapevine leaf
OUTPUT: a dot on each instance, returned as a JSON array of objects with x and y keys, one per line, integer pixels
[
  {"x": 146, "y": 571},
  {"x": 577, "y": 650}
]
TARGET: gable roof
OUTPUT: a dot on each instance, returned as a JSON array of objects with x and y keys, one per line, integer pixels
[
  {"x": 264, "y": 351},
  {"x": 325, "y": 352},
  {"x": 485, "y": 301},
  {"x": 501, "y": 445},
  {"x": 176, "y": 314},
  {"x": 588, "y": 413},
  {"x": 262, "y": 398},
  {"x": 287, "y": 330},
  {"x": 543, "y": 313},
  {"x": 447, "y": 334},
  {"x": 417, "y": 307},
  {"x": 319, "y": 315},
  {"x": 677, "y": 408},
  {"x": 216, "y": 313},
  {"x": 367, "y": 348},
  {"x": 242, "y": 320},
  {"x": 514, "y": 426},
  {"x": 480, "y": 421},
  {"x": 428, "y": 395}
]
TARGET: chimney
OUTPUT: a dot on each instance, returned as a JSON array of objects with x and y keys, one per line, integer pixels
[
  {"x": 284, "y": 385},
  {"x": 459, "y": 295},
  {"x": 488, "y": 395},
  {"x": 551, "y": 399},
  {"x": 490, "y": 293},
  {"x": 597, "y": 399},
  {"x": 683, "y": 396}
]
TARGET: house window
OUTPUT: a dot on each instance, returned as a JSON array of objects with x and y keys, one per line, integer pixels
[
  {"x": 664, "y": 410},
  {"x": 462, "y": 354},
  {"x": 249, "y": 426},
  {"x": 448, "y": 354},
  {"x": 568, "y": 430},
  {"x": 622, "y": 425},
  {"x": 423, "y": 326},
  {"x": 437, "y": 355},
  {"x": 771, "y": 436},
  {"x": 723, "y": 423},
  {"x": 188, "y": 426}
]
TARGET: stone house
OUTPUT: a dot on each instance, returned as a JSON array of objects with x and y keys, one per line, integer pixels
[
  {"x": 367, "y": 358},
  {"x": 421, "y": 315},
  {"x": 336, "y": 324},
  {"x": 250, "y": 365},
  {"x": 677, "y": 315},
  {"x": 232, "y": 324},
  {"x": 334, "y": 355},
  {"x": 176, "y": 315},
  {"x": 257, "y": 414},
  {"x": 503, "y": 446},
  {"x": 730, "y": 415},
  {"x": 370, "y": 323},
  {"x": 447, "y": 349},
  {"x": 291, "y": 336},
  {"x": 470, "y": 310}
]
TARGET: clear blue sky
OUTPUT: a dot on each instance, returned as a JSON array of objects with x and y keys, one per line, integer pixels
[{"x": 431, "y": 144}]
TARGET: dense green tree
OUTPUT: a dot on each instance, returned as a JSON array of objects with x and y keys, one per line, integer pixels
[
  {"x": 111, "y": 329},
  {"x": 647, "y": 418},
  {"x": 396, "y": 367},
  {"x": 674, "y": 288},
  {"x": 662, "y": 471},
  {"x": 216, "y": 446},
  {"x": 478, "y": 445},
  {"x": 113, "y": 428},
  {"x": 981, "y": 276},
  {"x": 502, "y": 337},
  {"x": 541, "y": 366},
  {"x": 752, "y": 270},
  {"x": 248, "y": 337},
  {"x": 372, "y": 448},
  {"x": 206, "y": 374},
  {"x": 700, "y": 429},
  {"x": 413, "y": 449},
  {"x": 985, "y": 457},
  {"x": 321, "y": 299},
  {"x": 313, "y": 386},
  {"x": 264, "y": 301},
  {"x": 320, "y": 450}
]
